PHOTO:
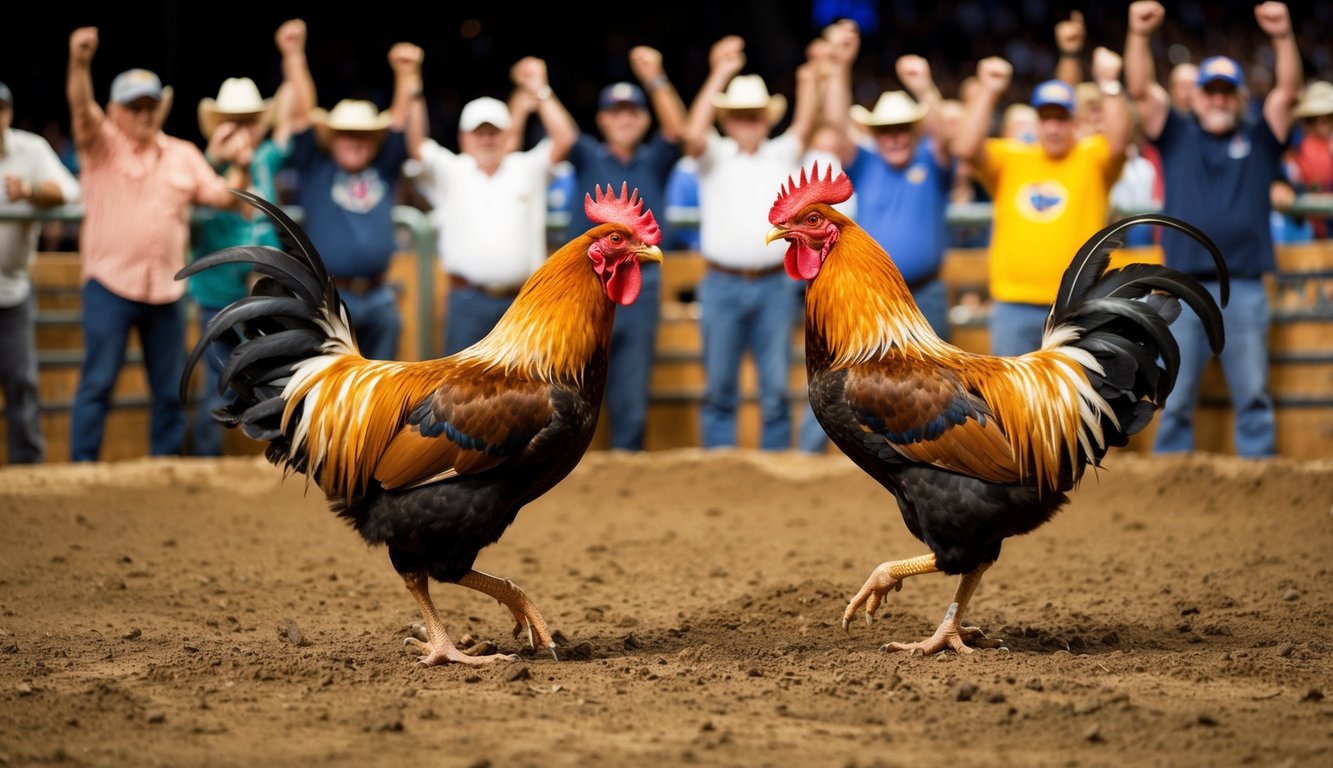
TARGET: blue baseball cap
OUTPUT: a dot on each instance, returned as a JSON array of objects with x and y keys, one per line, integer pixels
[
  {"x": 1220, "y": 69},
  {"x": 616, "y": 94},
  {"x": 1055, "y": 93}
]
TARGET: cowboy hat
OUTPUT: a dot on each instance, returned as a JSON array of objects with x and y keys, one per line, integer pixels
[
  {"x": 749, "y": 92},
  {"x": 893, "y": 108},
  {"x": 238, "y": 99},
  {"x": 350, "y": 116},
  {"x": 1317, "y": 100}
]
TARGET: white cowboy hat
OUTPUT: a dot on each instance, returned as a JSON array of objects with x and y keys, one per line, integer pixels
[
  {"x": 1317, "y": 100},
  {"x": 893, "y": 108},
  {"x": 350, "y": 116},
  {"x": 749, "y": 92},
  {"x": 238, "y": 99}
]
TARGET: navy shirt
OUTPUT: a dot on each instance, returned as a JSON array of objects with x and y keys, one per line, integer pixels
[
  {"x": 1220, "y": 185},
  {"x": 349, "y": 216},
  {"x": 647, "y": 170}
]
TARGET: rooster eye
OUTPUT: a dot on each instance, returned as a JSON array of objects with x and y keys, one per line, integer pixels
[
  {"x": 615, "y": 238},
  {"x": 812, "y": 219}
]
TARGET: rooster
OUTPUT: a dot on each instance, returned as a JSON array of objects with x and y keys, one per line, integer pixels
[
  {"x": 976, "y": 448},
  {"x": 435, "y": 458}
]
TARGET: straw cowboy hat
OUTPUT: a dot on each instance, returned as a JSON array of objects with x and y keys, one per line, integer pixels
[
  {"x": 1317, "y": 100},
  {"x": 749, "y": 92},
  {"x": 238, "y": 99},
  {"x": 350, "y": 116},
  {"x": 893, "y": 108}
]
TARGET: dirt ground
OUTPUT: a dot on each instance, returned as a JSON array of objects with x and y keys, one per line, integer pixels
[{"x": 207, "y": 612}]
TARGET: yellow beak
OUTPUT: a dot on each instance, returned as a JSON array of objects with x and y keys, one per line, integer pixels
[
  {"x": 649, "y": 253},
  {"x": 776, "y": 233}
]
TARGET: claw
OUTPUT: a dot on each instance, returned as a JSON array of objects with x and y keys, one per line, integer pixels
[{"x": 551, "y": 648}]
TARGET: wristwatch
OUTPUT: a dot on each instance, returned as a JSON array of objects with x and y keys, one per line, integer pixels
[
  {"x": 543, "y": 93},
  {"x": 1111, "y": 88}
]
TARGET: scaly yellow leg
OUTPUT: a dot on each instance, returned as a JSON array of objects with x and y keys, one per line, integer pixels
[
  {"x": 439, "y": 649},
  {"x": 888, "y": 577},
  {"x": 951, "y": 633},
  {"x": 516, "y": 600}
]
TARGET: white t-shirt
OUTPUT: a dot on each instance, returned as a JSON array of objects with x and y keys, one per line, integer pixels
[
  {"x": 492, "y": 229},
  {"x": 29, "y": 157},
  {"x": 736, "y": 191}
]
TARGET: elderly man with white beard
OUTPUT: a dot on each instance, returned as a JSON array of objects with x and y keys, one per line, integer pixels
[{"x": 1218, "y": 167}]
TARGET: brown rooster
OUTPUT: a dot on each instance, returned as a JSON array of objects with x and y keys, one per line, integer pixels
[
  {"x": 976, "y": 448},
  {"x": 434, "y": 458}
]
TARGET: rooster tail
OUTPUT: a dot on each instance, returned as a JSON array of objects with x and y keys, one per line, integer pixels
[
  {"x": 1121, "y": 318},
  {"x": 293, "y": 314}
]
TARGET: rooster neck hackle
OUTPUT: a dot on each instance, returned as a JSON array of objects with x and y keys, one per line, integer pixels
[
  {"x": 555, "y": 325},
  {"x": 861, "y": 306}
]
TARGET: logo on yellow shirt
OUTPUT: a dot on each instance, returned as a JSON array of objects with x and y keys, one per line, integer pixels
[{"x": 1042, "y": 201}]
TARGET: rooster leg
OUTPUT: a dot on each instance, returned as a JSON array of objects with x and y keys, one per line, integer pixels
[
  {"x": 888, "y": 577},
  {"x": 440, "y": 649},
  {"x": 951, "y": 633},
  {"x": 516, "y": 600}
]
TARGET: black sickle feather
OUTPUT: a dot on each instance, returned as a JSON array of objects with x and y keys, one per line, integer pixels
[
  {"x": 1091, "y": 260},
  {"x": 288, "y": 344},
  {"x": 269, "y": 261},
  {"x": 292, "y": 237},
  {"x": 247, "y": 308}
]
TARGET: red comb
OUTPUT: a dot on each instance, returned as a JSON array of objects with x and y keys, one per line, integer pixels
[
  {"x": 625, "y": 210},
  {"x": 794, "y": 196}
]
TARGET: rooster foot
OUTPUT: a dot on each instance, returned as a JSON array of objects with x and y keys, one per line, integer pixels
[
  {"x": 436, "y": 654},
  {"x": 960, "y": 639},
  {"x": 872, "y": 594}
]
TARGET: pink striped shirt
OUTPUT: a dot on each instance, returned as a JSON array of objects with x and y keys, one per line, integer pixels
[{"x": 136, "y": 202}]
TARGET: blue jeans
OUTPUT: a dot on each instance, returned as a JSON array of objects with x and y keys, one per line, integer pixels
[
  {"x": 376, "y": 321},
  {"x": 107, "y": 320},
  {"x": 1015, "y": 329},
  {"x": 1244, "y": 363},
  {"x": 633, "y": 348},
  {"x": 740, "y": 314},
  {"x": 205, "y": 433},
  {"x": 18, "y": 380},
  {"x": 472, "y": 314}
]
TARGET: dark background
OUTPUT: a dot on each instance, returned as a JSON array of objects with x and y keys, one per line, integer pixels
[{"x": 471, "y": 45}]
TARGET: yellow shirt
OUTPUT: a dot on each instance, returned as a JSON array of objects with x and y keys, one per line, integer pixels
[{"x": 1044, "y": 210}]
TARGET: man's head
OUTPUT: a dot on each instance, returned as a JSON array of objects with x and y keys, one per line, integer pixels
[
  {"x": 895, "y": 124},
  {"x": 1183, "y": 81},
  {"x": 1054, "y": 102},
  {"x": 746, "y": 111},
  {"x": 1315, "y": 109},
  {"x": 135, "y": 95},
  {"x": 239, "y": 103},
  {"x": 1219, "y": 97},
  {"x": 352, "y": 133},
  {"x": 481, "y": 131},
  {"x": 622, "y": 115}
]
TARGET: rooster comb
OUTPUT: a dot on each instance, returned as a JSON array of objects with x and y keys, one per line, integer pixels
[
  {"x": 625, "y": 209},
  {"x": 795, "y": 195}
]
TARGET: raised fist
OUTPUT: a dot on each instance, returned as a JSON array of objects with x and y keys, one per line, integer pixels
[
  {"x": 1145, "y": 16},
  {"x": 994, "y": 74}
]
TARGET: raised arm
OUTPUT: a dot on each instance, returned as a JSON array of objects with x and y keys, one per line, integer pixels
[
  {"x": 407, "y": 111},
  {"x": 1151, "y": 101},
  {"x": 299, "y": 100},
  {"x": 805, "y": 112},
  {"x": 530, "y": 76},
  {"x": 993, "y": 76},
  {"x": 725, "y": 60},
  {"x": 914, "y": 74},
  {"x": 1070, "y": 36},
  {"x": 1117, "y": 121},
  {"x": 667, "y": 104},
  {"x": 85, "y": 116},
  {"x": 1275, "y": 20},
  {"x": 843, "y": 43}
]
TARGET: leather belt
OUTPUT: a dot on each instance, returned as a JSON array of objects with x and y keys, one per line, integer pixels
[
  {"x": 458, "y": 281},
  {"x": 748, "y": 274},
  {"x": 359, "y": 284}
]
